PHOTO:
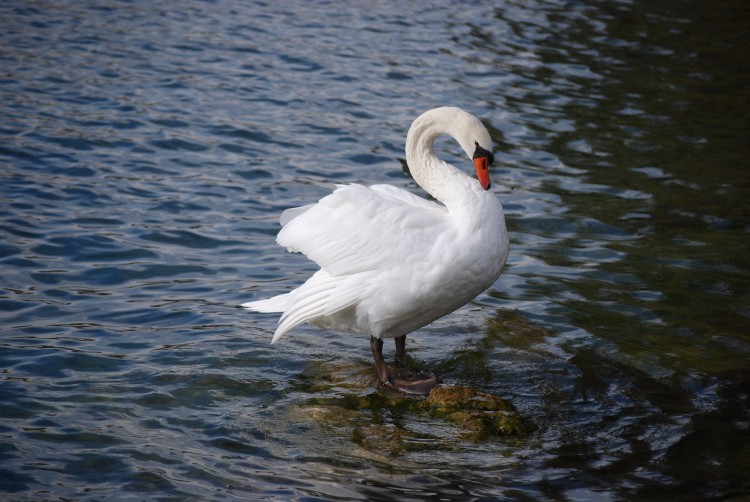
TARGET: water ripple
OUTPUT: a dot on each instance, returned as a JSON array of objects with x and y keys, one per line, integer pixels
[{"x": 148, "y": 151}]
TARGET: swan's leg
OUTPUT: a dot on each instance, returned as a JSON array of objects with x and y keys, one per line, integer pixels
[
  {"x": 418, "y": 387},
  {"x": 401, "y": 350},
  {"x": 376, "y": 344}
]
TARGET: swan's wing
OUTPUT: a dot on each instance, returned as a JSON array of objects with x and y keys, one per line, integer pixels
[
  {"x": 398, "y": 194},
  {"x": 321, "y": 296},
  {"x": 292, "y": 213},
  {"x": 358, "y": 228}
]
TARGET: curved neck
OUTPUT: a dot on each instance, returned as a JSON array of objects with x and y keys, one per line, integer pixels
[{"x": 440, "y": 179}]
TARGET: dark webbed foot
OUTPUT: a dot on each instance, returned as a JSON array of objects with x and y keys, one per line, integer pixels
[{"x": 414, "y": 387}]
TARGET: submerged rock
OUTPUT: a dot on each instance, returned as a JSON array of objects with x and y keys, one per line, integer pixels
[
  {"x": 385, "y": 438},
  {"x": 389, "y": 423},
  {"x": 348, "y": 399},
  {"x": 478, "y": 414}
]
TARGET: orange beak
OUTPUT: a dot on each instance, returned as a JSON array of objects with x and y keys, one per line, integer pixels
[{"x": 483, "y": 171}]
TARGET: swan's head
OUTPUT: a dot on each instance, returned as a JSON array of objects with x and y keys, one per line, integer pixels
[
  {"x": 463, "y": 127},
  {"x": 474, "y": 140}
]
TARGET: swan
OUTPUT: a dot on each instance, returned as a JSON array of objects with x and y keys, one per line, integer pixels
[{"x": 392, "y": 262}]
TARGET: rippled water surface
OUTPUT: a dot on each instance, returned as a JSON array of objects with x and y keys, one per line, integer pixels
[{"x": 147, "y": 150}]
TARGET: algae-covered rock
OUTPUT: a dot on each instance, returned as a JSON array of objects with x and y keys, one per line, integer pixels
[
  {"x": 386, "y": 422},
  {"x": 347, "y": 398},
  {"x": 513, "y": 330},
  {"x": 454, "y": 398},
  {"x": 478, "y": 414},
  {"x": 382, "y": 438}
]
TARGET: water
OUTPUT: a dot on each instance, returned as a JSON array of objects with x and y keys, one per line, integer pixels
[{"x": 148, "y": 149}]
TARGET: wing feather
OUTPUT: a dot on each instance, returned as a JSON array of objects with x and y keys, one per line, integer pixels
[
  {"x": 358, "y": 228},
  {"x": 322, "y": 295}
]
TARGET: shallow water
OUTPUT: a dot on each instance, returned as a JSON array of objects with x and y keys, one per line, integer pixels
[{"x": 147, "y": 151}]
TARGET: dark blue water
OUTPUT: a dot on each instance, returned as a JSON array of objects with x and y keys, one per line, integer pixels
[{"x": 147, "y": 150}]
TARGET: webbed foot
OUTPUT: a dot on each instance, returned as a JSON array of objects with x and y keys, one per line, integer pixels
[{"x": 413, "y": 387}]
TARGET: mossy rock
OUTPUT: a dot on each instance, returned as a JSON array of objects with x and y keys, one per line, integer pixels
[
  {"x": 347, "y": 398},
  {"x": 385, "y": 439},
  {"x": 478, "y": 414},
  {"x": 390, "y": 423},
  {"x": 513, "y": 330},
  {"x": 455, "y": 398}
]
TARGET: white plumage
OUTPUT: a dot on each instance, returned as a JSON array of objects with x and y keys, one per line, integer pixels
[{"x": 391, "y": 262}]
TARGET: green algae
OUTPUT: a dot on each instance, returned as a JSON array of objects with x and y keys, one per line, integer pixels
[{"x": 388, "y": 422}]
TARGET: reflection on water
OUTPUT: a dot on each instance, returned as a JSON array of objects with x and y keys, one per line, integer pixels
[{"x": 147, "y": 152}]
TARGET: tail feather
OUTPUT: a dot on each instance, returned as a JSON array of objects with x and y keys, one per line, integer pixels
[
  {"x": 321, "y": 296},
  {"x": 270, "y": 305}
]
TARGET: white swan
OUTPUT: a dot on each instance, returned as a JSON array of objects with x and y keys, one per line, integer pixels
[{"x": 391, "y": 262}]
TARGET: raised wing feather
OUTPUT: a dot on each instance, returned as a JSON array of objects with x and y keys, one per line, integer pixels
[{"x": 358, "y": 228}]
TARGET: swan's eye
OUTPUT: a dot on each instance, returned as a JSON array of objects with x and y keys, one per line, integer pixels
[{"x": 481, "y": 152}]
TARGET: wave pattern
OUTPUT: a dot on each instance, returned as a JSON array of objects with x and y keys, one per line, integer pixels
[{"x": 148, "y": 150}]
